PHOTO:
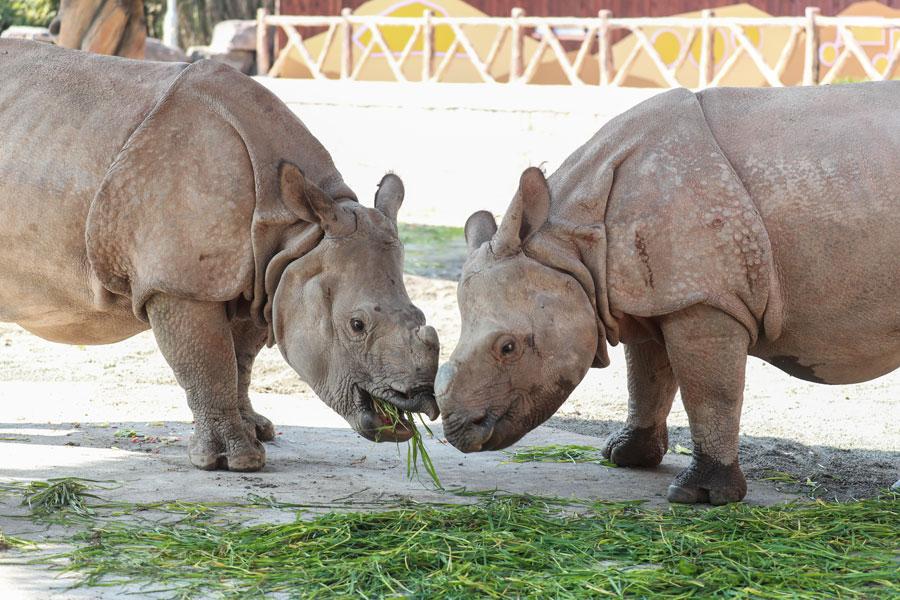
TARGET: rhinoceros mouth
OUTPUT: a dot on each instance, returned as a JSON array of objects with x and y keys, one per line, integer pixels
[{"x": 373, "y": 423}]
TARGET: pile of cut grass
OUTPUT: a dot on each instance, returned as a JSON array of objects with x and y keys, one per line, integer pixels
[
  {"x": 514, "y": 547},
  {"x": 61, "y": 497},
  {"x": 558, "y": 453}
]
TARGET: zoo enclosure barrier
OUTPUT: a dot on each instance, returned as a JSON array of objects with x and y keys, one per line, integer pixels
[{"x": 513, "y": 50}]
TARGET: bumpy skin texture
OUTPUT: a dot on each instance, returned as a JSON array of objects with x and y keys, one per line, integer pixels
[
  {"x": 696, "y": 229},
  {"x": 190, "y": 200}
]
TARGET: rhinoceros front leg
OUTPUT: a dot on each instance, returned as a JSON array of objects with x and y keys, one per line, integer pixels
[
  {"x": 196, "y": 339},
  {"x": 708, "y": 352},
  {"x": 651, "y": 388},
  {"x": 248, "y": 341}
]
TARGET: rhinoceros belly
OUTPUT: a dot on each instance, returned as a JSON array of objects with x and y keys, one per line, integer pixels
[{"x": 821, "y": 165}]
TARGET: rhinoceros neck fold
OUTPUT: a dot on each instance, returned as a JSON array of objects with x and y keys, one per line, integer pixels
[
  {"x": 299, "y": 241},
  {"x": 271, "y": 134},
  {"x": 649, "y": 217},
  {"x": 666, "y": 222}
]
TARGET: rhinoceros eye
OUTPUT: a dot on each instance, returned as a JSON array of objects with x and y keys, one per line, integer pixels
[
  {"x": 508, "y": 348},
  {"x": 357, "y": 325}
]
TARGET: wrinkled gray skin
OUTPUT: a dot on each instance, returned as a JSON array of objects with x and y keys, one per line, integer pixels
[
  {"x": 697, "y": 229},
  {"x": 189, "y": 200}
]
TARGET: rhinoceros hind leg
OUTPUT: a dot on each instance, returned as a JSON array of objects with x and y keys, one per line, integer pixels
[
  {"x": 708, "y": 352},
  {"x": 248, "y": 341},
  {"x": 196, "y": 340},
  {"x": 643, "y": 441}
]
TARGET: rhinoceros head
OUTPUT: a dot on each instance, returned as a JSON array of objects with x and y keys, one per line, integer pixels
[
  {"x": 341, "y": 315},
  {"x": 528, "y": 334}
]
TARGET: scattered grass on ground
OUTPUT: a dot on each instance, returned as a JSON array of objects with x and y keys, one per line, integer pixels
[
  {"x": 558, "y": 453},
  {"x": 512, "y": 547},
  {"x": 415, "y": 447},
  {"x": 126, "y": 433},
  {"x": 679, "y": 449},
  {"x": 58, "y": 497},
  {"x": 7, "y": 542}
]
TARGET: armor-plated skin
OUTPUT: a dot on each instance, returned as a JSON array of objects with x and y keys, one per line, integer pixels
[
  {"x": 696, "y": 229},
  {"x": 190, "y": 200}
]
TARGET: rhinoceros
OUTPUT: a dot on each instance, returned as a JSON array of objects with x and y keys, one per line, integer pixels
[
  {"x": 696, "y": 228},
  {"x": 189, "y": 200}
]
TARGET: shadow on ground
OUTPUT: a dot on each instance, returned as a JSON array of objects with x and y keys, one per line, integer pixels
[{"x": 809, "y": 470}]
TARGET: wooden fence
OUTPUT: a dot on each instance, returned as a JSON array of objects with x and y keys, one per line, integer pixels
[{"x": 510, "y": 33}]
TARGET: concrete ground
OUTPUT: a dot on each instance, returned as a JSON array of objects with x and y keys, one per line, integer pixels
[{"x": 69, "y": 411}]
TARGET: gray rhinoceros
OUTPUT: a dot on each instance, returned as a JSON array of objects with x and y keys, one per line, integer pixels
[
  {"x": 696, "y": 229},
  {"x": 190, "y": 200}
]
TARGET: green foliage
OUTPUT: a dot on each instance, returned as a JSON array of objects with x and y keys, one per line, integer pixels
[
  {"x": 36, "y": 13},
  {"x": 558, "y": 453},
  {"x": 196, "y": 18},
  {"x": 513, "y": 547},
  {"x": 500, "y": 546}
]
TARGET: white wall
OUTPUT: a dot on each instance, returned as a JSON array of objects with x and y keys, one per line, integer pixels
[{"x": 458, "y": 147}]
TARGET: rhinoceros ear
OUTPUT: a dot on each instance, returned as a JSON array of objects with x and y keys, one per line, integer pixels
[
  {"x": 526, "y": 214},
  {"x": 311, "y": 204},
  {"x": 389, "y": 196},
  {"x": 480, "y": 228}
]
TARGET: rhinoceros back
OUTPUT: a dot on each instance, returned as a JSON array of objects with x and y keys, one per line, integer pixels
[
  {"x": 822, "y": 164},
  {"x": 65, "y": 115},
  {"x": 137, "y": 178},
  {"x": 670, "y": 223},
  {"x": 192, "y": 206}
]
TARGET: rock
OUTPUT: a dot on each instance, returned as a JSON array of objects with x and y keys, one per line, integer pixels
[
  {"x": 242, "y": 60},
  {"x": 233, "y": 35},
  {"x": 156, "y": 50},
  {"x": 23, "y": 32}
]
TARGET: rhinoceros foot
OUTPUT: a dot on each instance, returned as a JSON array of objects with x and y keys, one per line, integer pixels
[
  {"x": 265, "y": 431},
  {"x": 226, "y": 442},
  {"x": 637, "y": 446},
  {"x": 708, "y": 481}
]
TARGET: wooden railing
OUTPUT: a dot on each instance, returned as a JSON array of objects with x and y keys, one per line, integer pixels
[{"x": 510, "y": 35}]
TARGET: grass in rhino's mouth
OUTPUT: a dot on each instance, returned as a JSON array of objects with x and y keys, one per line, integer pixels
[
  {"x": 393, "y": 417},
  {"x": 501, "y": 546}
]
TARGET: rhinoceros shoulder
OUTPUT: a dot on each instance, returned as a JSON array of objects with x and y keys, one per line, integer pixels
[
  {"x": 192, "y": 205},
  {"x": 679, "y": 226},
  {"x": 174, "y": 211}
]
